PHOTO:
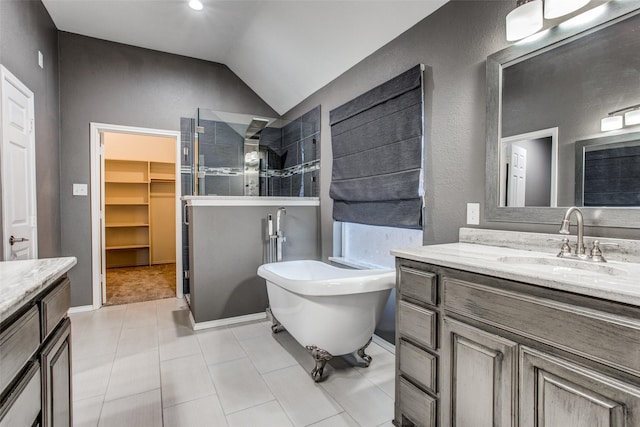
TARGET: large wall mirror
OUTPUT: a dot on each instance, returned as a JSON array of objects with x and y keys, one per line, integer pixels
[{"x": 545, "y": 102}]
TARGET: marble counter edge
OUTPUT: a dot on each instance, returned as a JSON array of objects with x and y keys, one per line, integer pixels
[
  {"x": 486, "y": 267},
  {"x": 23, "y": 293}
]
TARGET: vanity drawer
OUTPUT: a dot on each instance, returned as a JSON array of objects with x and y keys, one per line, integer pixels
[
  {"x": 417, "y": 323},
  {"x": 54, "y": 306},
  {"x": 601, "y": 336},
  {"x": 17, "y": 344},
  {"x": 417, "y": 284},
  {"x": 418, "y": 364},
  {"x": 416, "y": 405},
  {"x": 22, "y": 406}
]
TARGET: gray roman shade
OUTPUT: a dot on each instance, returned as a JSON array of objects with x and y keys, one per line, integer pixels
[{"x": 378, "y": 155}]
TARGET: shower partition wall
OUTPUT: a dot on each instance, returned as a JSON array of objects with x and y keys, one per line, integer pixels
[{"x": 228, "y": 154}]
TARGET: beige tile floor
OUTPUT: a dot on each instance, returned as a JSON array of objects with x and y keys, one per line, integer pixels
[{"x": 142, "y": 365}]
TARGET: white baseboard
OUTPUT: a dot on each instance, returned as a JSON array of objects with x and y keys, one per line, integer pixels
[
  {"x": 80, "y": 309},
  {"x": 225, "y": 322},
  {"x": 384, "y": 344}
]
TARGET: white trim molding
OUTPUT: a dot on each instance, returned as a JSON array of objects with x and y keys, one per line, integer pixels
[
  {"x": 80, "y": 309},
  {"x": 226, "y": 322}
]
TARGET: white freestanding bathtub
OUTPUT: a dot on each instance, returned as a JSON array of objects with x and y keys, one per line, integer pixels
[{"x": 329, "y": 310}]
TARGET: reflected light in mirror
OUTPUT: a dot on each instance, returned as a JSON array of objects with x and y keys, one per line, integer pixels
[
  {"x": 584, "y": 18},
  {"x": 611, "y": 123},
  {"x": 196, "y": 5},
  {"x": 632, "y": 118},
  {"x": 524, "y": 20},
  {"x": 556, "y": 8}
]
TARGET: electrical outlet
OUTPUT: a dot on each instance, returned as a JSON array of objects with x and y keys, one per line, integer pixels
[
  {"x": 80, "y": 190},
  {"x": 473, "y": 213}
]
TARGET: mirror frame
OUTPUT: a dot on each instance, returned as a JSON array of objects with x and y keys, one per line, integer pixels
[{"x": 615, "y": 11}]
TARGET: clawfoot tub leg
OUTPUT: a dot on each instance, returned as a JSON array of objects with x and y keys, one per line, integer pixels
[
  {"x": 321, "y": 357},
  {"x": 276, "y": 326},
  {"x": 363, "y": 355}
]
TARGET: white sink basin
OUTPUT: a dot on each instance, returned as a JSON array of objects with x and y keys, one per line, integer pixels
[{"x": 563, "y": 265}]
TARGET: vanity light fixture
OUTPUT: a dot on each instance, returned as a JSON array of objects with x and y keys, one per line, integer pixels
[
  {"x": 611, "y": 123},
  {"x": 557, "y": 8},
  {"x": 527, "y": 18},
  {"x": 524, "y": 20},
  {"x": 196, "y": 4},
  {"x": 632, "y": 117},
  {"x": 614, "y": 121}
]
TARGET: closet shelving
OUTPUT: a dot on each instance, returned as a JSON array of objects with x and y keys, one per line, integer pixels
[{"x": 139, "y": 200}]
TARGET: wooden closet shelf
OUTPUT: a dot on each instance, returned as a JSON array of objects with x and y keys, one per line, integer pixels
[
  {"x": 124, "y": 225},
  {"x": 110, "y": 248},
  {"x": 125, "y": 204},
  {"x": 113, "y": 181}
]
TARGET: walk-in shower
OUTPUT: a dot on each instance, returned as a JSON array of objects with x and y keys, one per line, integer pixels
[{"x": 228, "y": 154}]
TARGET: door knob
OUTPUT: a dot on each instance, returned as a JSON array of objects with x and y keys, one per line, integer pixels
[{"x": 13, "y": 240}]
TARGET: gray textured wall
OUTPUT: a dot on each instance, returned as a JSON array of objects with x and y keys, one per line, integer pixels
[
  {"x": 453, "y": 43},
  {"x": 25, "y": 29},
  {"x": 112, "y": 83},
  {"x": 228, "y": 244}
]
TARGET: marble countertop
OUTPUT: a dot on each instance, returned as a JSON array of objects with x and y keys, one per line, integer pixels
[
  {"x": 614, "y": 280},
  {"x": 20, "y": 281}
]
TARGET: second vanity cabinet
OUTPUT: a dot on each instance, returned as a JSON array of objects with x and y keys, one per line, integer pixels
[
  {"x": 35, "y": 361},
  {"x": 507, "y": 353}
]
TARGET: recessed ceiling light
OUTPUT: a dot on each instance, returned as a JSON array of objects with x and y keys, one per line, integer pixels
[{"x": 195, "y": 4}]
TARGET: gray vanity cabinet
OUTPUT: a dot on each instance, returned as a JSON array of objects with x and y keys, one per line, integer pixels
[
  {"x": 417, "y": 345},
  {"x": 557, "y": 392},
  {"x": 35, "y": 361},
  {"x": 478, "y": 382},
  {"x": 479, "y": 351},
  {"x": 55, "y": 360}
]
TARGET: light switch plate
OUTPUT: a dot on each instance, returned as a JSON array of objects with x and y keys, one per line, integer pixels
[
  {"x": 41, "y": 61},
  {"x": 473, "y": 213},
  {"x": 80, "y": 190}
]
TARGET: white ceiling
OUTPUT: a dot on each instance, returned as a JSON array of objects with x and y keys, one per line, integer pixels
[{"x": 284, "y": 50}]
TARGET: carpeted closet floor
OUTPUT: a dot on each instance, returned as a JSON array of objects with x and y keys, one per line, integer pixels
[{"x": 126, "y": 285}]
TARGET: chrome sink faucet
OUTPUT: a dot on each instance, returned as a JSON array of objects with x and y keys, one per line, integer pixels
[{"x": 564, "y": 229}]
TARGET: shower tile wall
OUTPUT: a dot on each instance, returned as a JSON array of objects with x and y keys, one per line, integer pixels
[
  {"x": 300, "y": 148},
  {"x": 222, "y": 146}
]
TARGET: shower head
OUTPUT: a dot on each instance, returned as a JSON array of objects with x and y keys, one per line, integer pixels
[{"x": 255, "y": 127}]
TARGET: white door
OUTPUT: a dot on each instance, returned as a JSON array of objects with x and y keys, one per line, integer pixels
[
  {"x": 517, "y": 176},
  {"x": 17, "y": 150}
]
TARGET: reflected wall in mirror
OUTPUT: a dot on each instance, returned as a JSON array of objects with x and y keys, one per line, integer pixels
[
  {"x": 528, "y": 169},
  {"x": 608, "y": 171},
  {"x": 568, "y": 79}
]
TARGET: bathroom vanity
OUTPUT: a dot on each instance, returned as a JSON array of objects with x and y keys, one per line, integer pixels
[
  {"x": 496, "y": 336},
  {"x": 35, "y": 343}
]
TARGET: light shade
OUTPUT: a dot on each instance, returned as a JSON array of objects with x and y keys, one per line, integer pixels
[
  {"x": 524, "y": 20},
  {"x": 611, "y": 123},
  {"x": 632, "y": 118},
  {"x": 557, "y": 8},
  {"x": 196, "y": 5}
]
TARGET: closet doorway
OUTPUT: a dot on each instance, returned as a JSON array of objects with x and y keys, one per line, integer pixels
[{"x": 139, "y": 210}]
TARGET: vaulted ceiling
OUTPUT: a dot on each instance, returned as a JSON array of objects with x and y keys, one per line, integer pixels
[{"x": 284, "y": 50}]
